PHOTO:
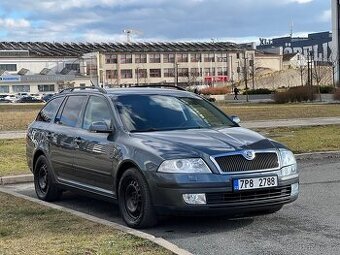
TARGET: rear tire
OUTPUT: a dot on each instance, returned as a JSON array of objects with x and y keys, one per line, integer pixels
[
  {"x": 135, "y": 201},
  {"x": 45, "y": 187}
]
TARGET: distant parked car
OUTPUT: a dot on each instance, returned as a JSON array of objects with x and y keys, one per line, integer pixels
[
  {"x": 37, "y": 96},
  {"x": 11, "y": 98},
  {"x": 47, "y": 97},
  {"x": 29, "y": 99},
  {"x": 4, "y": 100}
]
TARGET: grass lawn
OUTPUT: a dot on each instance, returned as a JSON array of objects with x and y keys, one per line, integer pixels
[
  {"x": 17, "y": 116},
  {"x": 27, "y": 228},
  {"x": 13, "y": 157},
  {"x": 278, "y": 111},
  {"x": 306, "y": 139}
]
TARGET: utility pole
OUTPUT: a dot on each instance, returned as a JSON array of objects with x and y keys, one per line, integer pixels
[
  {"x": 245, "y": 74},
  {"x": 253, "y": 71},
  {"x": 137, "y": 76},
  {"x": 176, "y": 69}
]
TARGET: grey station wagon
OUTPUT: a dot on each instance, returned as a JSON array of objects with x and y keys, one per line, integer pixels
[{"x": 156, "y": 151}]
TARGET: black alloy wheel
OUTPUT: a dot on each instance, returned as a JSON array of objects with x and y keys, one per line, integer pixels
[
  {"x": 45, "y": 187},
  {"x": 135, "y": 200}
]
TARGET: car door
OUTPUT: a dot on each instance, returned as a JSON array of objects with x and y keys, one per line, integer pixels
[
  {"x": 62, "y": 137},
  {"x": 94, "y": 153}
]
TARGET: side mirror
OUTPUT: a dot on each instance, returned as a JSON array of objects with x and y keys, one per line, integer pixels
[
  {"x": 100, "y": 127},
  {"x": 235, "y": 119}
]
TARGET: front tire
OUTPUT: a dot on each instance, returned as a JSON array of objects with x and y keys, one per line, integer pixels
[
  {"x": 135, "y": 200},
  {"x": 45, "y": 187}
]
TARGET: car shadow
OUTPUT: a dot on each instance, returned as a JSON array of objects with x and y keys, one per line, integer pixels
[{"x": 167, "y": 226}]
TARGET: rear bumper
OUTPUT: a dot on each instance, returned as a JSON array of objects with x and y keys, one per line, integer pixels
[{"x": 167, "y": 195}]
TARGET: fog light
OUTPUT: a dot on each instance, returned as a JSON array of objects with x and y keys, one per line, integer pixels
[
  {"x": 294, "y": 189},
  {"x": 195, "y": 199}
]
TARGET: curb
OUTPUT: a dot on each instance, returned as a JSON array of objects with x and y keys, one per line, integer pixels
[
  {"x": 5, "y": 180},
  {"x": 318, "y": 155},
  {"x": 157, "y": 240}
]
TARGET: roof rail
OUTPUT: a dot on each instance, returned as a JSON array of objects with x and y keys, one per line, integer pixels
[
  {"x": 159, "y": 86},
  {"x": 83, "y": 88}
]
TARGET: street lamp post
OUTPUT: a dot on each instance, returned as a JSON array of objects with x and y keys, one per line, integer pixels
[
  {"x": 137, "y": 76},
  {"x": 176, "y": 66}
]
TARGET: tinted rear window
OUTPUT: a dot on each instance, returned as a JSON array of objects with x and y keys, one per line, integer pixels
[{"x": 48, "y": 112}]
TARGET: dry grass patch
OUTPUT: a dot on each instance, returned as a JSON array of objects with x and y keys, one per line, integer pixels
[
  {"x": 13, "y": 157},
  {"x": 287, "y": 111},
  {"x": 17, "y": 116},
  {"x": 27, "y": 228},
  {"x": 306, "y": 139}
]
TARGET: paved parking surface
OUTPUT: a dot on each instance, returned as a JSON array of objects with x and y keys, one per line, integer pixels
[{"x": 311, "y": 225}]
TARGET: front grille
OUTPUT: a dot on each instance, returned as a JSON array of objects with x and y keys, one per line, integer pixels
[
  {"x": 238, "y": 163},
  {"x": 248, "y": 196}
]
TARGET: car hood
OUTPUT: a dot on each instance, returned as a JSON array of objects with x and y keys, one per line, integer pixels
[{"x": 195, "y": 142}]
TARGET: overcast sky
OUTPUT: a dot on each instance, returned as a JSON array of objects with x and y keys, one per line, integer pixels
[{"x": 160, "y": 20}]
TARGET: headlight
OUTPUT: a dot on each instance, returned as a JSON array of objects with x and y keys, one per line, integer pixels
[
  {"x": 288, "y": 164},
  {"x": 287, "y": 158},
  {"x": 184, "y": 166}
]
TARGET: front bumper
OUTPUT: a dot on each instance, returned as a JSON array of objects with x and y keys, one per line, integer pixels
[{"x": 167, "y": 193}]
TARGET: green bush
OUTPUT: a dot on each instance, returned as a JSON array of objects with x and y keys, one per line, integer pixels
[
  {"x": 260, "y": 91},
  {"x": 296, "y": 94}
]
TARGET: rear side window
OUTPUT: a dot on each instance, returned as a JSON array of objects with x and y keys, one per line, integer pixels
[
  {"x": 97, "y": 110},
  {"x": 72, "y": 111},
  {"x": 47, "y": 113}
]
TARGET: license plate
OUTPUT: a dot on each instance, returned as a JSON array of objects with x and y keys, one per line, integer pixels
[{"x": 255, "y": 183}]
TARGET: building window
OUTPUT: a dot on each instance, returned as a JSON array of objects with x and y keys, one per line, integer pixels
[
  {"x": 222, "y": 71},
  {"x": 140, "y": 58},
  {"x": 4, "y": 89},
  {"x": 169, "y": 58},
  {"x": 126, "y": 59},
  {"x": 74, "y": 67},
  {"x": 169, "y": 72},
  {"x": 182, "y": 57},
  {"x": 222, "y": 57},
  {"x": 111, "y": 74},
  {"x": 195, "y": 72},
  {"x": 183, "y": 72},
  {"x": 111, "y": 59},
  {"x": 154, "y": 58},
  {"x": 195, "y": 57},
  {"x": 8, "y": 67},
  {"x": 238, "y": 55},
  {"x": 21, "y": 88},
  {"x": 126, "y": 73},
  {"x": 155, "y": 73},
  {"x": 46, "y": 88},
  {"x": 209, "y": 71},
  {"x": 142, "y": 73},
  {"x": 209, "y": 57}
]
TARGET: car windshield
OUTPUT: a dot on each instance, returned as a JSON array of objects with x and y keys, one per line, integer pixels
[{"x": 146, "y": 113}]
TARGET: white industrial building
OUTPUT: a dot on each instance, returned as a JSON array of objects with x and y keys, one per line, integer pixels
[{"x": 43, "y": 67}]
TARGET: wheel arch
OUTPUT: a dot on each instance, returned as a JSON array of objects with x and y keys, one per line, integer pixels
[
  {"x": 125, "y": 165},
  {"x": 37, "y": 154}
]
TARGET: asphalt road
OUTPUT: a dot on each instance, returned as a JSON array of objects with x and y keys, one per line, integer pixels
[{"x": 311, "y": 225}]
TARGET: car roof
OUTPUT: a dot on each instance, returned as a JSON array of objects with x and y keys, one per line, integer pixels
[{"x": 132, "y": 91}]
